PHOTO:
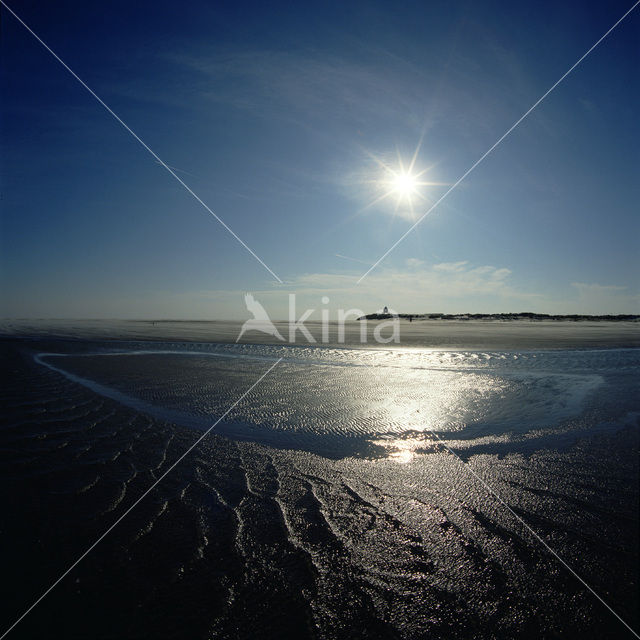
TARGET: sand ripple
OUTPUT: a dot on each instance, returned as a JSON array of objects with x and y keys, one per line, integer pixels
[{"x": 246, "y": 540}]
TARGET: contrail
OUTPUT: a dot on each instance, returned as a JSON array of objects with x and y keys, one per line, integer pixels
[
  {"x": 157, "y": 158},
  {"x": 142, "y": 497},
  {"x": 176, "y": 169},
  {"x": 352, "y": 259},
  {"x": 495, "y": 144}
]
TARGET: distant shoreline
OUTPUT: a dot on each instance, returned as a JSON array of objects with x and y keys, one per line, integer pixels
[{"x": 503, "y": 316}]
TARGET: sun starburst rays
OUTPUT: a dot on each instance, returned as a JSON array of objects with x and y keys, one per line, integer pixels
[{"x": 400, "y": 182}]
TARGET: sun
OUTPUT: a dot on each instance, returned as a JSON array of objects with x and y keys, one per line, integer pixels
[
  {"x": 405, "y": 185},
  {"x": 399, "y": 182}
]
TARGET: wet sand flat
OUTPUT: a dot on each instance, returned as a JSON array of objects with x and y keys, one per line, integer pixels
[
  {"x": 348, "y": 519},
  {"x": 440, "y": 334}
]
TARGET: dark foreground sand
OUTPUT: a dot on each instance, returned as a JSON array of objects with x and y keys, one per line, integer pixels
[{"x": 245, "y": 541}]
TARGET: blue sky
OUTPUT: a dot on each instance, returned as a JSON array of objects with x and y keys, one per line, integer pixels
[{"x": 277, "y": 116}]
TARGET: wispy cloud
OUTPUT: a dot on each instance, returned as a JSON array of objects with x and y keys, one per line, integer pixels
[
  {"x": 448, "y": 287},
  {"x": 583, "y": 287},
  {"x": 418, "y": 288},
  {"x": 304, "y": 83},
  {"x": 452, "y": 267}
]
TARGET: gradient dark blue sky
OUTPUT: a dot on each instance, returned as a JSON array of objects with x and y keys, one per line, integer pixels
[{"x": 272, "y": 112}]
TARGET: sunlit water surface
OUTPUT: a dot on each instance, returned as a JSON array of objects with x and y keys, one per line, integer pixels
[
  {"x": 326, "y": 502},
  {"x": 388, "y": 402}
]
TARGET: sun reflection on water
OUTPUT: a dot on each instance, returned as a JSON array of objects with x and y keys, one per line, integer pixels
[{"x": 404, "y": 450}]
